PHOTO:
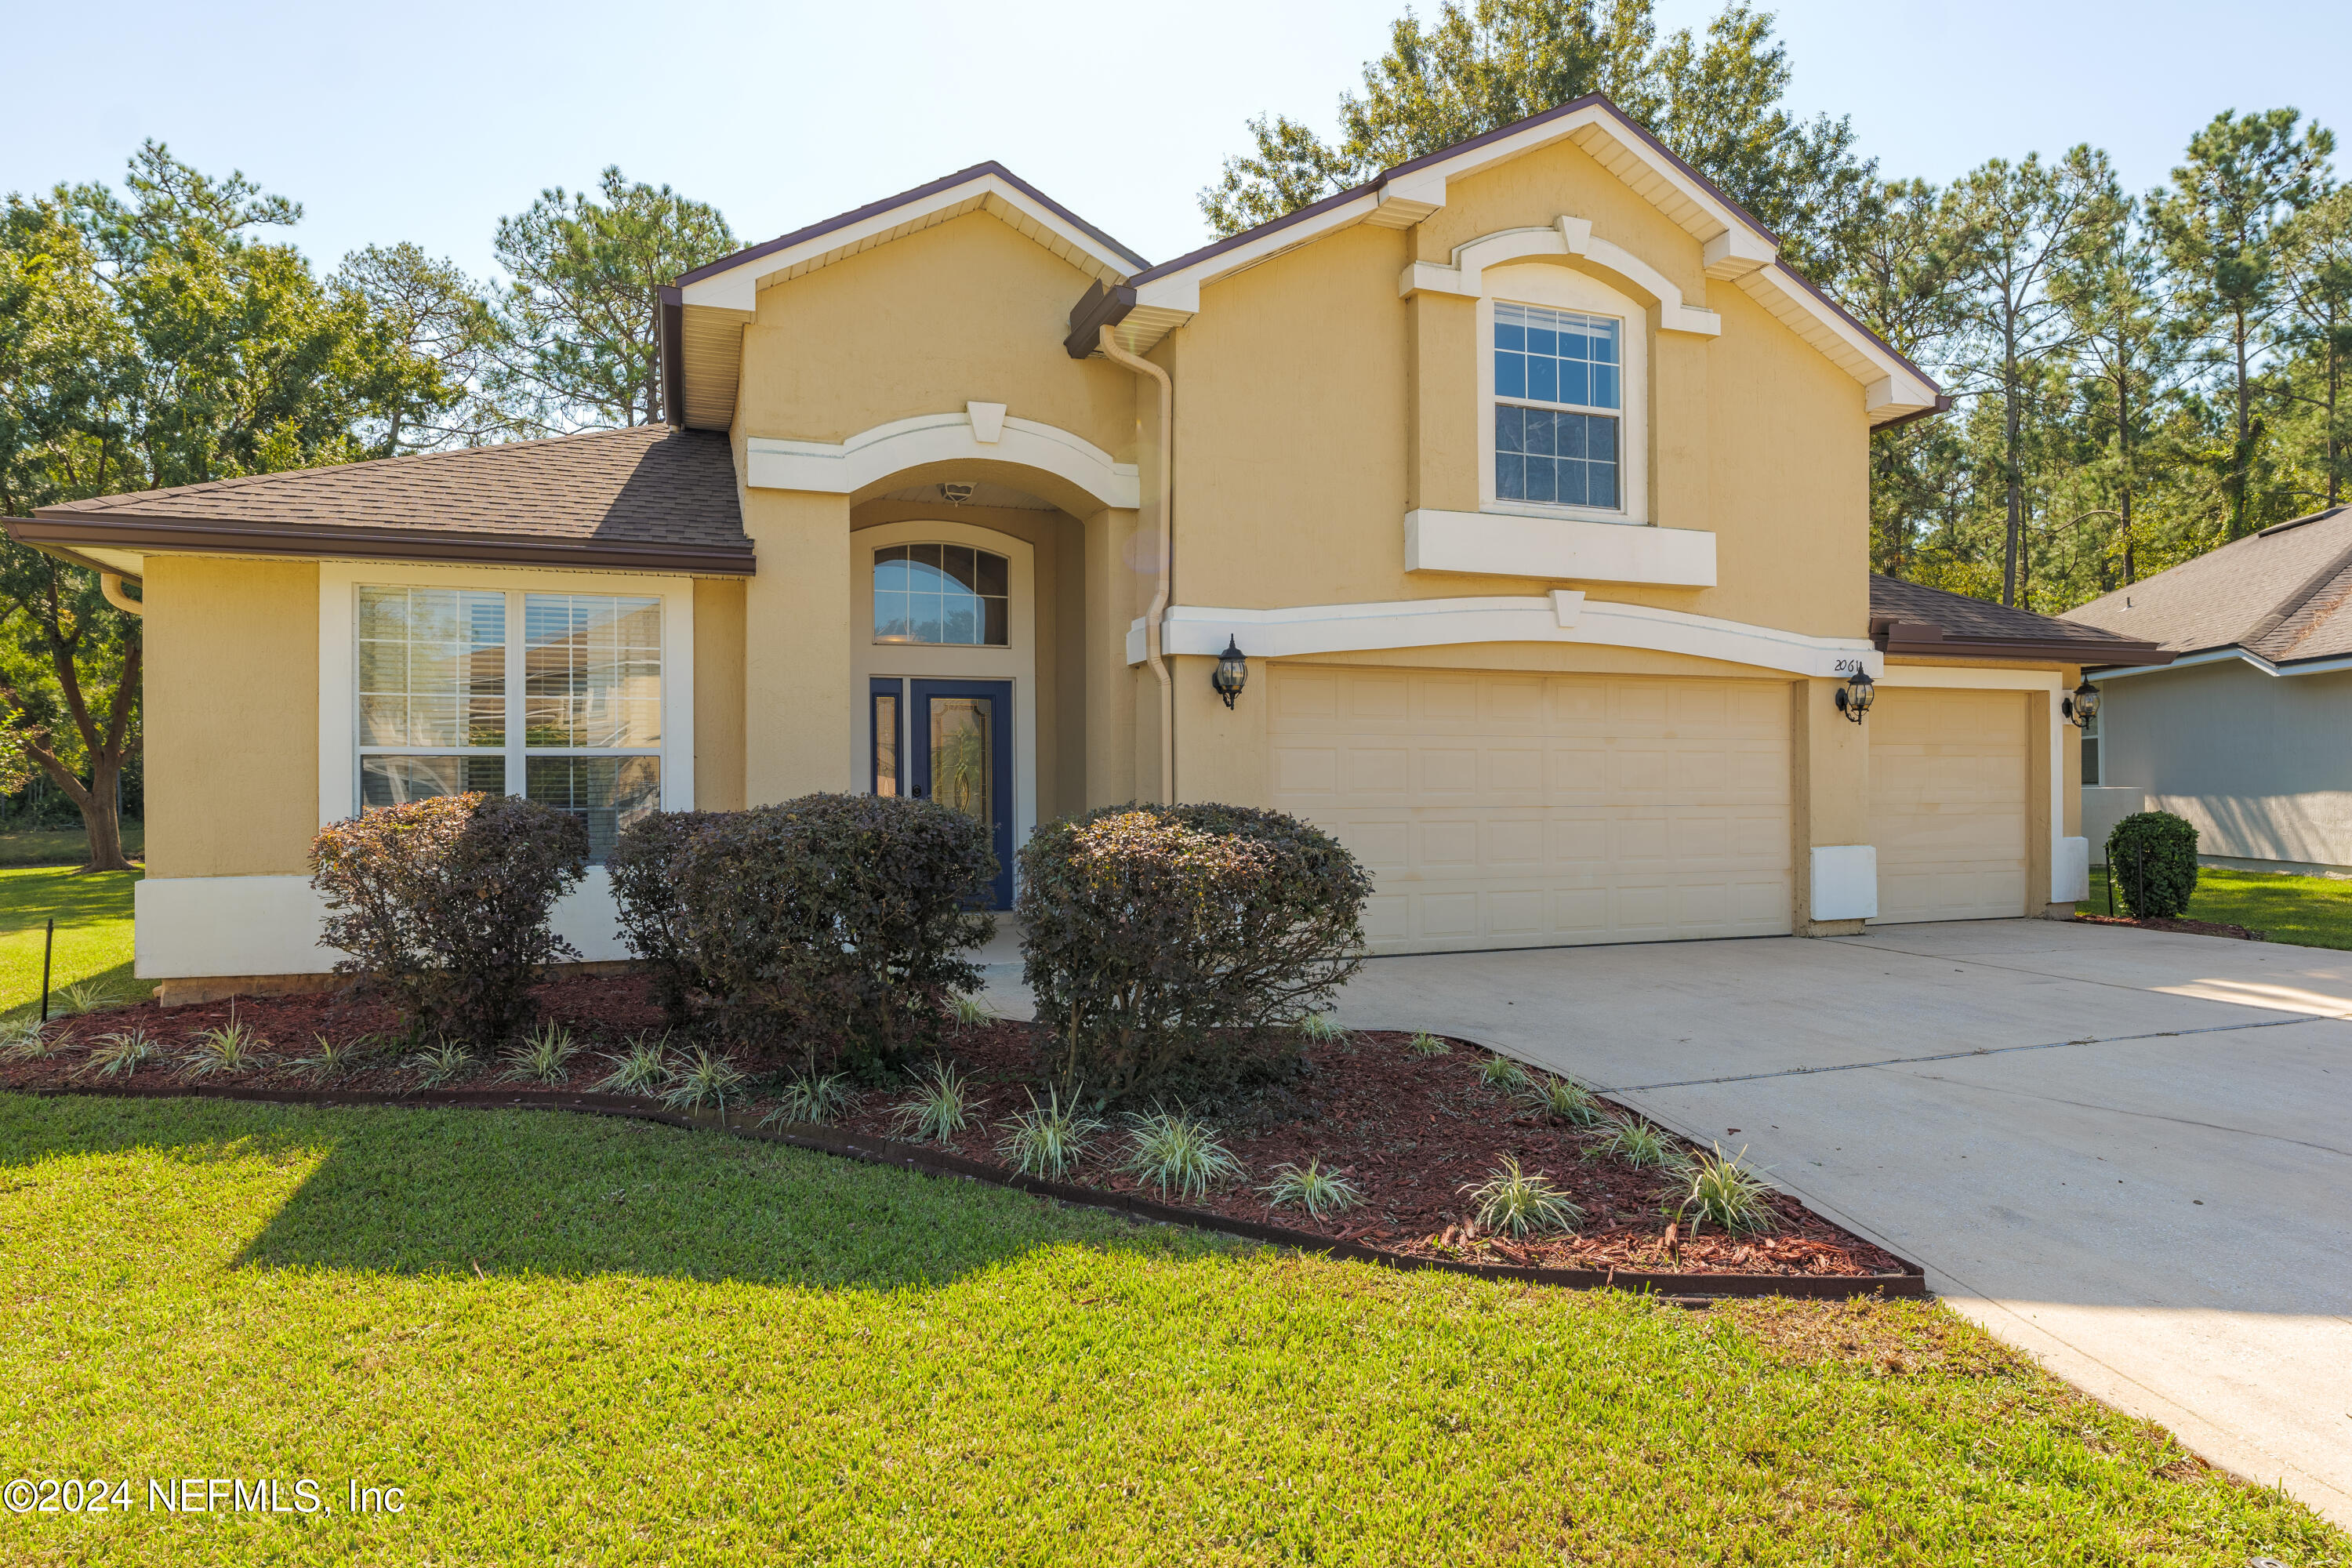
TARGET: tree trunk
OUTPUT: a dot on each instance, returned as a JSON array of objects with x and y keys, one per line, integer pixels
[{"x": 96, "y": 802}]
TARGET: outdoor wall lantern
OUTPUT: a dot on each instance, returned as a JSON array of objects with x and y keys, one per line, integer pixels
[
  {"x": 2082, "y": 706},
  {"x": 1232, "y": 672},
  {"x": 1853, "y": 697}
]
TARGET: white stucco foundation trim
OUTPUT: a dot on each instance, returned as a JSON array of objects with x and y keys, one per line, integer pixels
[
  {"x": 1305, "y": 629},
  {"x": 2070, "y": 871},
  {"x": 844, "y": 467},
  {"x": 1846, "y": 882},
  {"x": 1500, "y": 545},
  {"x": 208, "y": 927}
]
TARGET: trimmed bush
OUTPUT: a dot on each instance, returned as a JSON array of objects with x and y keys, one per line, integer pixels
[
  {"x": 645, "y": 896},
  {"x": 1160, "y": 938},
  {"x": 2162, "y": 887},
  {"x": 834, "y": 920},
  {"x": 443, "y": 904}
]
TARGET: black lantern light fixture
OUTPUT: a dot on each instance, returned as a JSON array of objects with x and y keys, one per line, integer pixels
[
  {"x": 1853, "y": 697},
  {"x": 1232, "y": 672},
  {"x": 2083, "y": 706}
]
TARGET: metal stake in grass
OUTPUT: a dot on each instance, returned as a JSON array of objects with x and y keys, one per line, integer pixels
[{"x": 48, "y": 945}]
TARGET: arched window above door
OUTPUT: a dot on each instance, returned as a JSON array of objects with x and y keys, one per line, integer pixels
[{"x": 952, "y": 594}]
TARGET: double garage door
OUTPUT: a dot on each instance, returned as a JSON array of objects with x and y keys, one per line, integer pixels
[
  {"x": 1516, "y": 810},
  {"x": 1500, "y": 810}
]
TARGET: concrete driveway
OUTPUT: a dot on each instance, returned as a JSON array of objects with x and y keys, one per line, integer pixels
[{"x": 2126, "y": 1151}]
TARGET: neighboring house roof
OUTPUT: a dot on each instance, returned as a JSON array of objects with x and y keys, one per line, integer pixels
[
  {"x": 1911, "y": 618},
  {"x": 648, "y": 496},
  {"x": 2283, "y": 597}
]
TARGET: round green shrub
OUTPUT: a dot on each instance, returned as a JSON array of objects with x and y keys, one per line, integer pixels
[
  {"x": 1165, "y": 940},
  {"x": 2160, "y": 886},
  {"x": 837, "y": 920}
]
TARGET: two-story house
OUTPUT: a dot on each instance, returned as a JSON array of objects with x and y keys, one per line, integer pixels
[{"x": 1524, "y": 488}]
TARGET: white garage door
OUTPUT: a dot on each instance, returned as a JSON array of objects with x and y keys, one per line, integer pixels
[
  {"x": 1948, "y": 803},
  {"x": 1500, "y": 810}
]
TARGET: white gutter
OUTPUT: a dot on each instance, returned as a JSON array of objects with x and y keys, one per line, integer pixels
[{"x": 1153, "y": 617}]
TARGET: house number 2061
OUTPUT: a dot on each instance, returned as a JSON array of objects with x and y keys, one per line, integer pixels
[{"x": 1846, "y": 667}]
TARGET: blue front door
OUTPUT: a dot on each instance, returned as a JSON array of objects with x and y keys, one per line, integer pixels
[{"x": 953, "y": 745}]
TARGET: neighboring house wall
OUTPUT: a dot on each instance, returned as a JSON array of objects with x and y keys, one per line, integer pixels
[{"x": 2261, "y": 763}]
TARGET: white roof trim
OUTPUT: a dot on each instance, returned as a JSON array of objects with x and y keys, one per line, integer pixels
[
  {"x": 1734, "y": 247},
  {"x": 738, "y": 287},
  {"x": 2223, "y": 656}
]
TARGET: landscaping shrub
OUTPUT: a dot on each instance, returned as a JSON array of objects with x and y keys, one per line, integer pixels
[
  {"x": 834, "y": 920},
  {"x": 1166, "y": 937},
  {"x": 444, "y": 903},
  {"x": 645, "y": 893},
  {"x": 2162, "y": 887}
]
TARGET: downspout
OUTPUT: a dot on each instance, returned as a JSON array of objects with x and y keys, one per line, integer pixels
[
  {"x": 111, "y": 585},
  {"x": 1159, "y": 611}
]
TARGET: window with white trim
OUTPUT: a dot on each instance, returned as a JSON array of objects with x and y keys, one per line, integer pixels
[
  {"x": 1558, "y": 401},
  {"x": 557, "y": 697}
]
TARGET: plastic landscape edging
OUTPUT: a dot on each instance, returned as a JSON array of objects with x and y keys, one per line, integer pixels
[{"x": 1910, "y": 1284}]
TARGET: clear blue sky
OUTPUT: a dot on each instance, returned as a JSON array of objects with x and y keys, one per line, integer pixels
[{"x": 428, "y": 120}]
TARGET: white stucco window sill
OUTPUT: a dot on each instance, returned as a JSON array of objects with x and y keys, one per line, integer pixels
[{"x": 1553, "y": 547}]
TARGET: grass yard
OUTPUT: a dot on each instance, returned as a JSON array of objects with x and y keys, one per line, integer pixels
[
  {"x": 93, "y": 916},
  {"x": 2310, "y": 912},
  {"x": 66, "y": 847},
  {"x": 577, "y": 1341}
]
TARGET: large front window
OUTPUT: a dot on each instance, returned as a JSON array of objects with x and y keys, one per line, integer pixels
[
  {"x": 1559, "y": 391},
  {"x": 554, "y": 696}
]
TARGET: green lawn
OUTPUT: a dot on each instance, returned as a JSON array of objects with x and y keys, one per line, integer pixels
[
  {"x": 93, "y": 916},
  {"x": 2311, "y": 911},
  {"x": 572, "y": 1340},
  {"x": 63, "y": 846}
]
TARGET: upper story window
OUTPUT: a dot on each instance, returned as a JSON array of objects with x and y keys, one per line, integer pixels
[
  {"x": 557, "y": 697},
  {"x": 950, "y": 594},
  {"x": 1558, "y": 401}
]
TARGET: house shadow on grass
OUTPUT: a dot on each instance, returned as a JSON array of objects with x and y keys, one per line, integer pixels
[{"x": 557, "y": 1195}]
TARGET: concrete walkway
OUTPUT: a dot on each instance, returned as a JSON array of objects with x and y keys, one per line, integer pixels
[{"x": 2126, "y": 1151}]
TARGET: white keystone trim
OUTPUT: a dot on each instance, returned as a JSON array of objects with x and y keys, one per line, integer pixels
[
  {"x": 1567, "y": 236},
  {"x": 875, "y": 454},
  {"x": 1564, "y": 616},
  {"x": 1504, "y": 545}
]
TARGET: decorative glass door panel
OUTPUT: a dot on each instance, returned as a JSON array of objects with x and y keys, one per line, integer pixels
[{"x": 949, "y": 741}]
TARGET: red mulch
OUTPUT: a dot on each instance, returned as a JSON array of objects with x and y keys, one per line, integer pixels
[
  {"x": 2187, "y": 928},
  {"x": 1408, "y": 1130}
]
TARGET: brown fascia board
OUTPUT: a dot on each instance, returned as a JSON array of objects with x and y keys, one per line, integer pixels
[
  {"x": 669, "y": 324},
  {"x": 1943, "y": 404},
  {"x": 874, "y": 209},
  {"x": 196, "y": 536},
  {"x": 15, "y": 527},
  {"x": 1919, "y": 639},
  {"x": 1098, "y": 308}
]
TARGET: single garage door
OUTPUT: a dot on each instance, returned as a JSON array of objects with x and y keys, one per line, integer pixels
[
  {"x": 1502, "y": 810},
  {"x": 1948, "y": 803}
]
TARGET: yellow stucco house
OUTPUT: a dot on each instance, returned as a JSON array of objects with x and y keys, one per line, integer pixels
[{"x": 1525, "y": 485}]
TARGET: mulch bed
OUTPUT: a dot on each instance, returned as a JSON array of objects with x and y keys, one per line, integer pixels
[
  {"x": 2187, "y": 928},
  {"x": 1409, "y": 1131}
]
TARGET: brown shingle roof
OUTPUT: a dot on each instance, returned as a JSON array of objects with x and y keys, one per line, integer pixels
[
  {"x": 648, "y": 495},
  {"x": 1911, "y": 618},
  {"x": 2280, "y": 594}
]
